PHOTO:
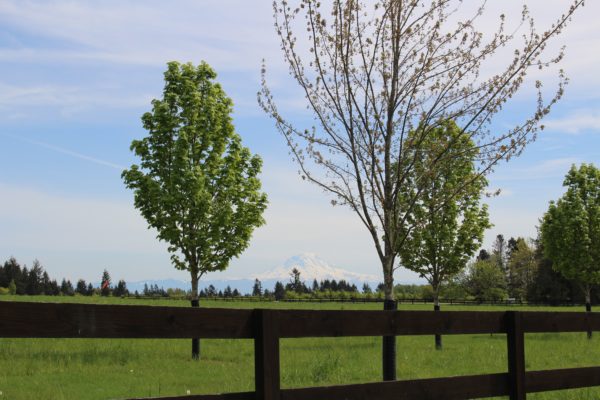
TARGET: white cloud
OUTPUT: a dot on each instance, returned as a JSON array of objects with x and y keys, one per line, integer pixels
[
  {"x": 149, "y": 33},
  {"x": 68, "y": 152},
  {"x": 579, "y": 121},
  {"x": 67, "y": 97},
  {"x": 548, "y": 169}
]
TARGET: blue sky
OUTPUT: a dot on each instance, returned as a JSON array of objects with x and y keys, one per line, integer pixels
[{"x": 75, "y": 77}]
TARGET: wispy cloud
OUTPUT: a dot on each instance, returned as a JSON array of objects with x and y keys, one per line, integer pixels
[
  {"x": 68, "y": 152},
  {"x": 548, "y": 169},
  {"x": 144, "y": 32},
  {"x": 580, "y": 121},
  {"x": 67, "y": 97}
]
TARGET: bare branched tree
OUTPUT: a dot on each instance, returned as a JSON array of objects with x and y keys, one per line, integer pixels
[{"x": 372, "y": 72}]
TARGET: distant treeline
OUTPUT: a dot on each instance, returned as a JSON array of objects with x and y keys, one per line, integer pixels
[
  {"x": 513, "y": 269},
  {"x": 21, "y": 280}
]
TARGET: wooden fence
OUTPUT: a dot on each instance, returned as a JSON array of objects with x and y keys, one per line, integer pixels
[
  {"x": 266, "y": 327},
  {"x": 247, "y": 299}
]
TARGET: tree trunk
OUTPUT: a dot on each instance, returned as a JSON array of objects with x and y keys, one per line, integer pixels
[
  {"x": 195, "y": 303},
  {"x": 588, "y": 306},
  {"x": 389, "y": 342},
  {"x": 436, "y": 307}
]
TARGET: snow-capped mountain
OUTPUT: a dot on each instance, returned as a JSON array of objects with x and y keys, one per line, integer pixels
[
  {"x": 310, "y": 266},
  {"x": 313, "y": 267}
]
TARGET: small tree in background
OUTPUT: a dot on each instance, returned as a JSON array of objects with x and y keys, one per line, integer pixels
[
  {"x": 570, "y": 230},
  {"x": 447, "y": 223},
  {"x": 35, "y": 278},
  {"x": 257, "y": 288},
  {"x": 366, "y": 288},
  {"x": 196, "y": 184},
  {"x": 522, "y": 264},
  {"x": 500, "y": 255},
  {"x": 279, "y": 291},
  {"x": 105, "y": 288},
  {"x": 81, "y": 287},
  {"x": 548, "y": 286},
  {"x": 12, "y": 287},
  {"x": 296, "y": 284},
  {"x": 66, "y": 288},
  {"x": 121, "y": 289},
  {"x": 486, "y": 281}
]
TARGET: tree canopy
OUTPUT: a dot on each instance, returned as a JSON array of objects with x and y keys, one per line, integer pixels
[
  {"x": 446, "y": 224},
  {"x": 196, "y": 184},
  {"x": 570, "y": 229}
]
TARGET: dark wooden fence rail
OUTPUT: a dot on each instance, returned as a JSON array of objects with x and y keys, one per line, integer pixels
[
  {"x": 266, "y": 327},
  {"x": 466, "y": 302}
]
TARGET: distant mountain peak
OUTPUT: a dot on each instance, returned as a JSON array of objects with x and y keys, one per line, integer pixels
[{"x": 311, "y": 267}]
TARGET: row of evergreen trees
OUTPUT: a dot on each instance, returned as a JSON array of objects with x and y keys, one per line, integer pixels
[
  {"x": 15, "y": 279},
  {"x": 21, "y": 280}
]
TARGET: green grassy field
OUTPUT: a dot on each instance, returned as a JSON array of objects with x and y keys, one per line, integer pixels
[{"x": 112, "y": 369}]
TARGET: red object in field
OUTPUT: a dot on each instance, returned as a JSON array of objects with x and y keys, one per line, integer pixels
[{"x": 105, "y": 284}]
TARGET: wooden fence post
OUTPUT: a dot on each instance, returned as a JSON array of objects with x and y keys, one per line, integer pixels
[
  {"x": 266, "y": 355},
  {"x": 515, "y": 344}
]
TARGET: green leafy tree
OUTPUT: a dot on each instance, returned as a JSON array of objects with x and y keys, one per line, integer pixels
[
  {"x": 485, "y": 281},
  {"x": 12, "y": 287},
  {"x": 522, "y": 265},
  {"x": 548, "y": 286},
  {"x": 447, "y": 223},
  {"x": 196, "y": 184},
  {"x": 570, "y": 229}
]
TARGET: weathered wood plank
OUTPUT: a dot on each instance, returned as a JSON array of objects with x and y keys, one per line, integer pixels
[
  {"x": 318, "y": 323},
  {"x": 543, "y": 321},
  {"x": 451, "y": 388},
  {"x": 558, "y": 379},
  {"x": 53, "y": 320}
]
